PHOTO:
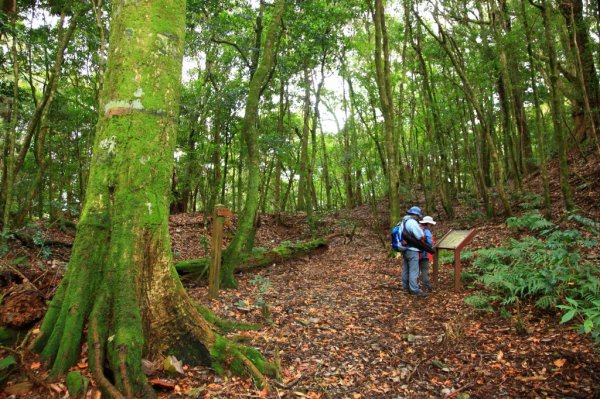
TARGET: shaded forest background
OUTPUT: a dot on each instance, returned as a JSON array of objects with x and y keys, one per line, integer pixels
[
  {"x": 460, "y": 99},
  {"x": 329, "y": 118}
]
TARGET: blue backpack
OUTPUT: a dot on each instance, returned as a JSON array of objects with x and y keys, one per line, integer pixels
[{"x": 397, "y": 243}]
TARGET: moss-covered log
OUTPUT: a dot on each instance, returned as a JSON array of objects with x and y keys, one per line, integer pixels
[
  {"x": 121, "y": 282},
  {"x": 198, "y": 268}
]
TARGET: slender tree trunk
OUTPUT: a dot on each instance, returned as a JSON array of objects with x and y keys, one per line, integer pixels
[
  {"x": 383, "y": 78},
  {"x": 447, "y": 42},
  {"x": 588, "y": 99},
  {"x": 313, "y": 134},
  {"x": 539, "y": 119},
  {"x": 505, "y": 92},
  {"x": 36, "y": 183},
  {"x": 266, "y": 184},
  {"x": 9, "y": 142},
  {"x": 434, "y": 130},
  {"x": 51, "y": 85},
  {"x": 278, "y": 158},
  {"x": 303, "y": 182},
  {"x": 511, "y": 66},
  {"x": 347, "y": 149},
  {"x": 245, "y": 229},
  {"x": 556, "y": 109},
  {"x": 325, "y": 165}
]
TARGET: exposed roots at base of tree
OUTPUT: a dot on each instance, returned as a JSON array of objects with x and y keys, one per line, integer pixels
[
  {"x": 96, "y": 353},
  {"x": 243, "y": 360}
]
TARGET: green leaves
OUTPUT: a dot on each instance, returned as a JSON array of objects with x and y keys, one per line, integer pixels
[
  {"x": 548, "y": 268},
  {"x": 568, "y": 316},
  {"x": 532, "y": 220},
  {"x": 6, "y": 367}
]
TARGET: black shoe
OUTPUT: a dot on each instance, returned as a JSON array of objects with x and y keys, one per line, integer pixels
[{"x": 420, "y": 293}]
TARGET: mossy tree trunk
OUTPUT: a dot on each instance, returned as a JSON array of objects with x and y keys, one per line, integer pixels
[
  {"x": 121, "y": 282},
  {"x": 9, "y": 143},
  {"x": 586, "y": 109},
  {"x": 303, "y": 179},
  {"x": 556, "y": 108},
  {"x": 384, "y": 86},
  {"x": 245, "y": 229},
  {"x": 539, "y": 119}
]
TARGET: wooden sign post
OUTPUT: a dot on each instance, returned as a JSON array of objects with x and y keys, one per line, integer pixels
[
  {"x": 454, "y": 240},
  {"x": 214, "y": 269}
]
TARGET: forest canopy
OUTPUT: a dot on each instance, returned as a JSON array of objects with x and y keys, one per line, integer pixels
[{"x": 363, "y": 100}]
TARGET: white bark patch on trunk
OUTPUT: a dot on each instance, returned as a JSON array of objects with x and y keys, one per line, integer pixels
[
  {"x": 109, "y": 144},
  {"x": 135, "y": 104}
]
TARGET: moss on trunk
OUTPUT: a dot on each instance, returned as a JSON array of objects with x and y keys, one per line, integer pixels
[
  {"x": 244, "y": 237},
  {"x": 121, "y": 282}
]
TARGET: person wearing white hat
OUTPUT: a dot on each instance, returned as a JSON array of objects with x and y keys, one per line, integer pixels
[
  {"x": 424, "y": 257},
  {"x": 412, "y": 243}
]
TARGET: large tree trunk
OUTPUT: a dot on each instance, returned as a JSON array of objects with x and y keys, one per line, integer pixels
[{"x": 121, "y": 281}]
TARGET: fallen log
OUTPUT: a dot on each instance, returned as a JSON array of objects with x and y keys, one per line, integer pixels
[
  {"x": 198, "y": 268},
  {"x": 33, "y": 242}
]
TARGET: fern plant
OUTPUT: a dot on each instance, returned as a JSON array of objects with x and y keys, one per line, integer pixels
[{"x": 548, "y": 269}]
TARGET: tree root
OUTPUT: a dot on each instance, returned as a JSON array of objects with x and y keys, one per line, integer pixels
[
  {"x": 242, "y": 360},
  {"x": 255, "y": 373},
  {"x": 96, "y": 351},
  {"x": 123, "y": 369}
]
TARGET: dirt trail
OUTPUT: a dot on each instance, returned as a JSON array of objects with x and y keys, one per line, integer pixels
[
  {"x": 345, "y": 329},
  {"x": 342, "y": 328}
]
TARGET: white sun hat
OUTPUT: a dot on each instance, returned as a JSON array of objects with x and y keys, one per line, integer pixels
[{"x": 427, "y": 220}]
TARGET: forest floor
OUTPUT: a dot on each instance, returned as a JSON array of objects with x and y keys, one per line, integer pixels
[{"x": 341, "y": 327}]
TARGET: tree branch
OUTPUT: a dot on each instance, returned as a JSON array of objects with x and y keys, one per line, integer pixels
[
  {"x": 234, "y": 45},
  {"x": 539, "y": 7}
]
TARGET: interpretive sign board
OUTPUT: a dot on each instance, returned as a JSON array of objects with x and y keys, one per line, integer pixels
[{"x": 454, "y": 240}]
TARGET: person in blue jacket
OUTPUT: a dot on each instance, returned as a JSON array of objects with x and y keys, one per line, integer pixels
[{"x": 410, "y": 253}]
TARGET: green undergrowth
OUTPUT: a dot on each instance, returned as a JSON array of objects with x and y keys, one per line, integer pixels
[{"x": 553, "y": 267}]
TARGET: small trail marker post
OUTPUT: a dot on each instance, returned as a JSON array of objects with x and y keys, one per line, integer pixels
[
  {"x": 214, "y": 270},
  {"x": 454, "y": 240}
]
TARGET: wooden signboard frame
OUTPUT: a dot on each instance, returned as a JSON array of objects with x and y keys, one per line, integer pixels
[
  {"x": 221, "y": 213},
  {"x": 454, "y": 240}
]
